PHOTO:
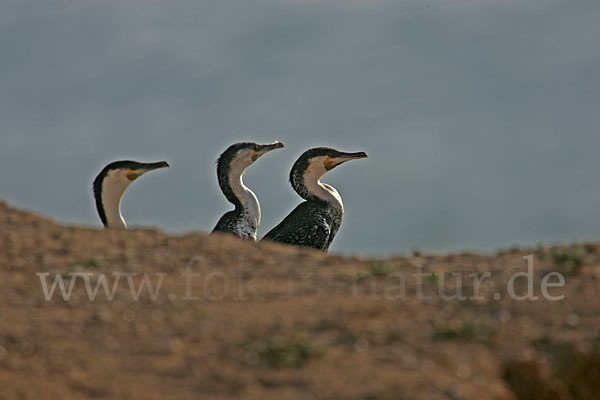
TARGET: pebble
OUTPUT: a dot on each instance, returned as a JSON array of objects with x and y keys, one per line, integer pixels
[
  {"x": 361, "y": 345},
  {"x": 409, "y": 361},
  {"x": 129, "y": 315},
  {"x": 111, "y": 343},
  {"x": 504, "y": 315},
  {"x": 572, "y": 320},
  {"x": 427, "y": 366},
  {"x": 176, "y": 345},
  {"x": 463, "y": 371}
]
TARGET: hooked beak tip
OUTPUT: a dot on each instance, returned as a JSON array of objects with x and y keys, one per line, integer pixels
[
  {"x": 273, "y": 146},
  {"x": 158, "y": 165},
  {"x": 357, "y": 156},
  {"x": 265, "y": 148}
]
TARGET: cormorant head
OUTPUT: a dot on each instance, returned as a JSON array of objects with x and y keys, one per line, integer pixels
[
  {"x": 314, "y": 163},
  {"x": 111, "y": 182},
  {"x": 234, "y": 161}
]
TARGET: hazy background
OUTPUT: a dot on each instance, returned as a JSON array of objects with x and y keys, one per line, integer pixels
[{"x": 481, "y": 118}]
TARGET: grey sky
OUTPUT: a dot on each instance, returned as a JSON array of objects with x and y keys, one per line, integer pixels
[{"x": 481, "y": 118}]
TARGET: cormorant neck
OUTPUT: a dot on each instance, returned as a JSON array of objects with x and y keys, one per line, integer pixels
[
  {"x": 111, "y": 203},
  {"x": 239, "y": 195},
  {"x": 324, "y": 192},
  {"x": 246, "y": 198},
  {"x": 309, "y": 186}
]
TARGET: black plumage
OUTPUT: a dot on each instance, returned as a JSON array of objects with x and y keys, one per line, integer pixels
[
  {"x": 315, "y": 222},
  {"x": 312, "y": 223},
  {"x": 230, "y": 221}
]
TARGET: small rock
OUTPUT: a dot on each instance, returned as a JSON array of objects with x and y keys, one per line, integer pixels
[
  {"x": 463, "y": 371},
  {"x": 504, "y": 315},
  {"x": 361, "y": 345},
  {"x": 409, "y": 361},
  {"x": 572, "y": 320},
  {"x": 129, "y": 315}
]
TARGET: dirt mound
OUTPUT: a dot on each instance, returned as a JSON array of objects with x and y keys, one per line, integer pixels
[{"x": 141, "y": 314}]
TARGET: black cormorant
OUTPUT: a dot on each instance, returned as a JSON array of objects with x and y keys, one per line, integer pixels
[
  {"x": 244, "y": 220},
  {"x": 314, "y": 222},
  {"x": 111, "y": 183}
]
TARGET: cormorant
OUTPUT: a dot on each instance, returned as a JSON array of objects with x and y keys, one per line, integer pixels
[
  {"x": 314, "y": 222},
  {"x": 111, "y": 183},
  {"x": 244, "y": 220}
]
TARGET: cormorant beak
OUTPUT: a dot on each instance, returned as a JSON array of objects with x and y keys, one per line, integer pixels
[
  {"x": 332, "y": 162},
  {"x": 264, "y": 148},
  {"x": 156, "y": 165},
  {"x": 134, "y": 174}
]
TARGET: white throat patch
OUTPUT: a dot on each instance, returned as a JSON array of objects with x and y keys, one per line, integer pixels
[
  {"x": 251, "y": 215},
  {"x": 312, "y": 181},
  {"x": 113, "y": 186}
]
